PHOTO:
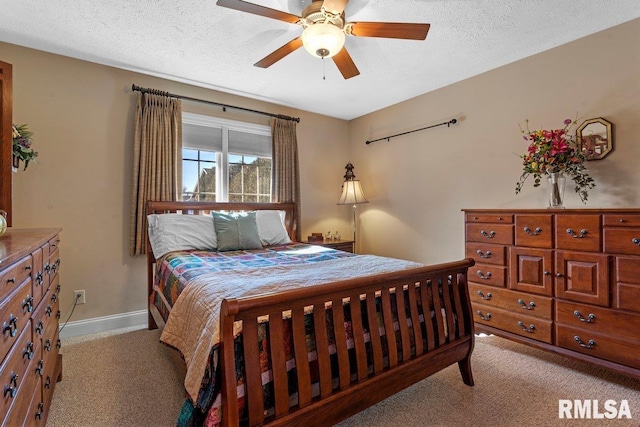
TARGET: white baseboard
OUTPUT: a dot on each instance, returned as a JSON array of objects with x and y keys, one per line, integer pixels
[{"x": 104, "y": 324}]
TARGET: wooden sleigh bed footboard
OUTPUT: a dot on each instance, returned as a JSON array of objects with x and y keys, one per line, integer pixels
[{"x": 427, "y": 308}]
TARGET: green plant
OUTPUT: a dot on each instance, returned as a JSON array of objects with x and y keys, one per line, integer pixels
[
  {"x": 553, "y": 151},
  {"x": 22, "y": 148}
]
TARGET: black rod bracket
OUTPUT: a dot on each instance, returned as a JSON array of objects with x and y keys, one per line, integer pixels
[{"x": 387, "y": 138}]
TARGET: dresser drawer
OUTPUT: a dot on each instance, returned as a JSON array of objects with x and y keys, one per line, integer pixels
[
  {"x": 598, "y": 345},
  {"x": 497, "y": 218},
  {"x": 489, "y": 275},
  {"x": 19, "y": 412},
  {"x": 14, "y": 275},
  {"x": 516, "y": 323},
  {"x": 618, "y": 325},
  {"x": 14, "y": 316},
  {"x": 54, "y": 262},
  {"x": 35, "y": 416},
  {"x": 578, "y": 232},
  {"x": 516, "y": 302},
  {"x": 485, "y": 253},
  {"x": 498, "y": 234},
  {"x": 622, "y": 220},
  {"x": 13, "y": 370},
  {"x": 622, "y": 240},
  {"x": 534, "y": 231}
]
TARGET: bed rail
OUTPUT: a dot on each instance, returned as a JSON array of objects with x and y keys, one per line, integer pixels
[{"x": 433, "y": 328}]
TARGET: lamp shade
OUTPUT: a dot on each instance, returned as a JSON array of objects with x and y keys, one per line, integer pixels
[
  {"x": 323, "y": 40},
  {"x": 352, "y": 193}
]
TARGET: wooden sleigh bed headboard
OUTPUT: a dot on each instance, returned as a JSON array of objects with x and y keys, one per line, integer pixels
[{"x": 422, "y": 317}]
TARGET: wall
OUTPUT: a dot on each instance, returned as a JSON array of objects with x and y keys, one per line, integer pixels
[
  {"x": 82, "y": 118},
  {"x": 417, "y": 184}
]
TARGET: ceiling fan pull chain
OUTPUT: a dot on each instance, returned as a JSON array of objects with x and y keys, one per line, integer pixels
[{"x": 324, "y": 69}]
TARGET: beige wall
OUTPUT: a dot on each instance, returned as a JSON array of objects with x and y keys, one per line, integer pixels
[
  {"x": 82, "y": 117},
  {"x": 81, "y": 114},
  {"x": 418, "y": 183}
]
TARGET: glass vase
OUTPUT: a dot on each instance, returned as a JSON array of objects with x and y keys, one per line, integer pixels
[{"x": 556, "y": 181}]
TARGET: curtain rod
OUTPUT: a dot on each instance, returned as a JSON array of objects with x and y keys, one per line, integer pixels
[
  {"x": 224, "y": 106},
  {"x": 449, "y": 123}
]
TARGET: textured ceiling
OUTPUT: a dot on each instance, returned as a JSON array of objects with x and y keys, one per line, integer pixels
[{"x": 200, "y": 43}]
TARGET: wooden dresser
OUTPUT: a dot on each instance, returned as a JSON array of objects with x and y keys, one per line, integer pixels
[
  {"x": 29, "y": 313},
  {"x": 562, "y": 280}
]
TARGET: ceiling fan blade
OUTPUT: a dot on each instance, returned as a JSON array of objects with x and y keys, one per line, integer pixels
[
  {"x": 393, "y": 30},
  {"x": 279, "y": 53},
  {"x": 345, "y": 64},
  {"x": 335, "y": 6},
  {"x": 256, "y": 9}
]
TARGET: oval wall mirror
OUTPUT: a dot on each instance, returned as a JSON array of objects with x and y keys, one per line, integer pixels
[{"x": 595, "y": 139}]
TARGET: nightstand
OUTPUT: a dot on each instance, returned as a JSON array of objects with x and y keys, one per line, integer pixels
[{"x": 341, "y": 245}]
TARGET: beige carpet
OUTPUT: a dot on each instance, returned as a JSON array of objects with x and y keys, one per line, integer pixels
[{"x": 126, "y": 379}]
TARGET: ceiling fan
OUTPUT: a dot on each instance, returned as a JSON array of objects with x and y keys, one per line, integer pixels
[{"x": 325, "y": 29}]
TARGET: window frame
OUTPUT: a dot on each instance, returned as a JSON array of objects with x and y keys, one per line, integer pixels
[{"x": 222, "y": 157}]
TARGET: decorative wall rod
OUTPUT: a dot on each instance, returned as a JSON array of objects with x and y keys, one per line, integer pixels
[
  {"x": 449, "y": 123},
  {"x": 224, "y": 106}
]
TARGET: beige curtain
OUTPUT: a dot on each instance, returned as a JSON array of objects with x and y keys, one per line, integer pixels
[
  {"x": 156, "y": 160},
  {"x": 285, "y": 171}
]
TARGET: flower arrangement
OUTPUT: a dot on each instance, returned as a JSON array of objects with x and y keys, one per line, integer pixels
[
  {"x": 553, "y": 151},
  {"x": 22, "y": 148}
]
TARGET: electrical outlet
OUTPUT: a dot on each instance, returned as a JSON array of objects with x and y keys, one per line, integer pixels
[{"x": 79, "y": 296}]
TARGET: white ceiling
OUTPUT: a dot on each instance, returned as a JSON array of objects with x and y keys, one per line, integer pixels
[{"x": 200, "y": 43}]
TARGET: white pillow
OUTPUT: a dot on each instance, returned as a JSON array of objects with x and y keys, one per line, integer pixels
[
  {"x": 175, "y": 232},
  {"x": 271, "y": 227}
]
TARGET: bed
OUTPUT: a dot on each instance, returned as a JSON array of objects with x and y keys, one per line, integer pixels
[{"x": 242, "y": 320}]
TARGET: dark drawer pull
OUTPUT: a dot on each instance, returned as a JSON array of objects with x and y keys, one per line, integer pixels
[
  {"x": 488, "y": 235},
  {"x": 581, "y": 343},
  {"x": 12, "y": 388},
  {"x": 484, "y": 255},
  {"x": 47, "y": 382},
  {"x": 27, "y": 268},
  {"x": 530, "y": 329},
  {"x": 573, "y": 234},
  {"x": 485, "y": 297},
  {"x": 525, "y": 306},
  {"x": 54, "y": 298},
  {"x": 48, "y": 311},
  {"x": 589, "y": 319},
  {"x": 47, "y": 268},
  {"x": 28, "y": 304},
  {"x": 40, "y": 411},
  {"x": 484, "y": 316},
  {"x": 537, "y": 231},
  {"x": 28, "y": 351},
  {"x": 40, "y": 327},
  {"x": 47, "y": 345},
  {"x": 484, "y": 276},
  {"x": 11, "y": 326},
  {"x": 39, "y": 278},
  {"x": 635, "y": 241},
  {"x": 58, "y": 343},
  {"x": 11, "y": 280},
  {"x": 39, "y": 367}
]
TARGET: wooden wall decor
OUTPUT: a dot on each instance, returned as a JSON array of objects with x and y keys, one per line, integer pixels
[{"x": 6, "y": 141}]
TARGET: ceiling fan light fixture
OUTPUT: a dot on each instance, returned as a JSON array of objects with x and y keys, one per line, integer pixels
[{"x": 323, "y": 40}]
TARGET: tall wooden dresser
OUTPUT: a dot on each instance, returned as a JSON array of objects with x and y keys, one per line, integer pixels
[
  {"x": 562, "y": 280},
  {"x": 29, "y": 313}
]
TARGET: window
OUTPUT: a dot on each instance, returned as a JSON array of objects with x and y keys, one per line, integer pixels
[{"x": 224, "y": 160}]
